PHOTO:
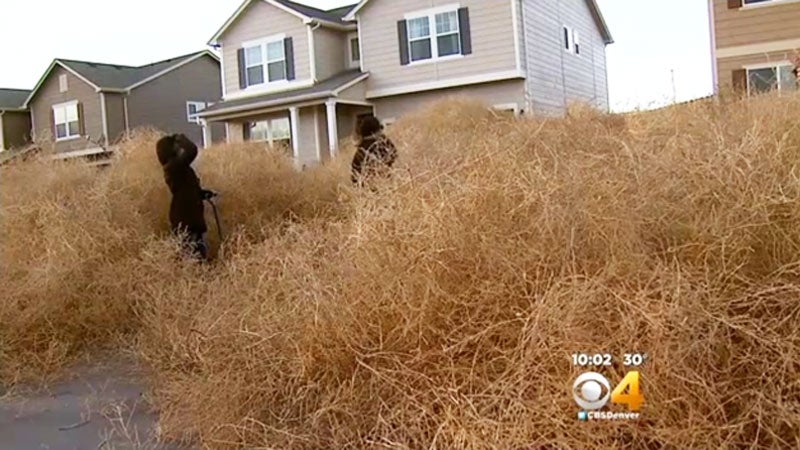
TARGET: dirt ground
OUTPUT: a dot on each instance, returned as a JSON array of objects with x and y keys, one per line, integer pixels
[{"x": 93, "y": 407}]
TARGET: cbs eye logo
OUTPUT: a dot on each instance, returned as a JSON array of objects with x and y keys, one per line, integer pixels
[{"x": 589, "y": 387}]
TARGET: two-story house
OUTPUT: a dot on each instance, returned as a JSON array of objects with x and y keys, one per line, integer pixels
[
  {"x": 86, "y": 107},
  {"x": 301, "y": 76},
  {"x": 754, "y": 43}
]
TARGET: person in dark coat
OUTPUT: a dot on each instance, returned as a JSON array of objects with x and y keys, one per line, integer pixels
[
  {"x": 375, "y": 154},
  {"x": 186, "y": 211}
]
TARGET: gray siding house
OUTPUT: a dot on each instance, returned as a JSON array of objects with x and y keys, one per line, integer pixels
[
  {"x": 85, "y": 107},
  {"x": 302, "y": 77},
  {"x": 15, "y": 121}
]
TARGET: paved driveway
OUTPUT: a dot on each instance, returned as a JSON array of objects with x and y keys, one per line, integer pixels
[{"x": 100, "y": 408}]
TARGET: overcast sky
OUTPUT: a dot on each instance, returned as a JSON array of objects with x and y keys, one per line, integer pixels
[{"x": 653, "y": 40}]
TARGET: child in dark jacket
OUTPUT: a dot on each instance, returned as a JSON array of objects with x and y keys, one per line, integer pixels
[
  {"x": 186, "y": 211},
  {"x": 375, "y": 154}
]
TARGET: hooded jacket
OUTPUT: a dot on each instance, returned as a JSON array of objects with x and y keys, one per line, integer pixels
[{"x": 186, "y": 211}]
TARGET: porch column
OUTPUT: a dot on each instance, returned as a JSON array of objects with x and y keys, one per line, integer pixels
[
  {"x": 333, "y": 129},
  {"x": 206, "y": 133},
  {"x": 294, "y": 120},
  {"x": 2, "y": 139}
]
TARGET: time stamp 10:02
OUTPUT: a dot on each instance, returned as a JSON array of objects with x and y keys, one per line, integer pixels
[{"x": 605, "y": 359}]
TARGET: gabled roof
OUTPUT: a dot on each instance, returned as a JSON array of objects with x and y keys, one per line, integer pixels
[
  {"x": 593, "y": 6},
  {"x": 118, "y": 78},
  {"x": 331, "y": 18},
  {"x": 13, "y": 99},
  {"x": 332, "y": 15},
  {"x": 330, "y": 87}
]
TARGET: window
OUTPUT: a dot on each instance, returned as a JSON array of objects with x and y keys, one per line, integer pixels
[
  {"x": 273, "y": 131},
  {"x": 419, "y": 39},
  {"x": 434, "y": 35},
  {"x": 276, "y": 61},
  {"x": 265, "y": 62},
  {"x": 192, "y": 108},
  {"x": 778, "y": 77},
  {"x": 355, "y": 51},
  {"x": 62, "y": 83},
  {"x": 752, "y": 2},
  {"x": 254, "y": 64},
  {"x": 66, "y": 121},
  {"x": 572, "y": 40},
  {"x": 507, "y": 109},
  {"x": 447, "y": 37}
]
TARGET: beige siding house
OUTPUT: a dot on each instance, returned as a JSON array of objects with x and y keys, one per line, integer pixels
[
  {"x": 301, "y": 77},
  {"x": 15, "y": 120},
  {"x": 754, "y": 43},
  {"x": 85, "y": 107}
]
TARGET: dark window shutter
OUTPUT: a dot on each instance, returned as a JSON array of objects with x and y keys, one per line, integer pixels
[
  {"x": 402, "y": 41},
  {"x": 81, "y": 126},
  {"x": 288, "y": 47},
  {"x": 465, "y": 31},
  {"x": 53, "y": 123},
  {"x": 734, "y": 4},
  {"x": 739, "y": 77},
  {"x": 242, "y": 68},
  {"x": 246, "y": 131}
]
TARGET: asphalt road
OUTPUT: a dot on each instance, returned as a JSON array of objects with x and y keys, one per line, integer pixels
[{"x": 95, "y": 408}]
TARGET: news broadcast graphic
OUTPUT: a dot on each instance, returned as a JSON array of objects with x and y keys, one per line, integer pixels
[{"x": 592, "y": 390}]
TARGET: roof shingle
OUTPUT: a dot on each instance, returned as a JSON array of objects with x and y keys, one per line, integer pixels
[
  {"x": 332, "y": 15},
  {"x": 322, "y": 89},
  {"x": 13, "y": 98},
  {"x": 113, "y": 76}
]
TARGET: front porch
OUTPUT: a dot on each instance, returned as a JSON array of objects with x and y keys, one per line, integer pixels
[{"x": 308, "y": 123}]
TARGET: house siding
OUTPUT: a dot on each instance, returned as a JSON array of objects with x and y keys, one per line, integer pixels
[
  {"x": 258, "y": 21},
  {"x": 330, "y": 48},
  {"x": 307, "y": 147},
  {"x": 734, "y": 27},
  {"x": 322, "y": 126},
  {"x": 16, "y": 129},
  {"x": 115, "y": 113},
  {"x": 161, "y": 103},
  {"x": 726, "y": 66},
  {"x": 556, "y": 77},
  {"x": 357, "y": 92},
  {"x": 492, "y": 43},
  {"x": 503, "y": 92},
  {"x": 49, "y": 95}
]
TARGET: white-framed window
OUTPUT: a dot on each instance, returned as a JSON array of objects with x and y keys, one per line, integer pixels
[
  {"x": 353, "y": 51},
  {"x": 773, "y": 76},
  {"x": 66, "y": 121},
  {"x": 511, "y": 109},
  {"x": 265, "y": 61},
  {"x": 272, "y": 131},
  {"x": 433, "y": 34},
  {"x": 572, "y": 40},
  {"x": 192, "y": 108},
  {"x": 62, "y": 83}
]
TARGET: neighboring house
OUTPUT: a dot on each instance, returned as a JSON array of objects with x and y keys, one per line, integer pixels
[
  {"x": 87, "y": 107},
  {"x": 15, "y": 121},
  {"x": 302, "y": 76},
  {"x": 753, "y": 43}
]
